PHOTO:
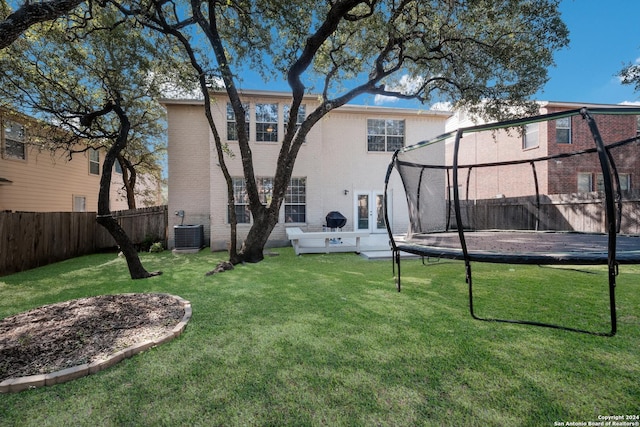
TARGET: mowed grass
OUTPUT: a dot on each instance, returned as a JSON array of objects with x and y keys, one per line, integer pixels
[{"x": 326, "y": 340}]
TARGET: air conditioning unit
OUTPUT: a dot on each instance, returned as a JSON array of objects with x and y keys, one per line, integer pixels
[{"x": 189, "y": 236}]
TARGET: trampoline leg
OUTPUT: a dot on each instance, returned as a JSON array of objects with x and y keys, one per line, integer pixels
[
  {"x": 612, "y": 302},
  {"x": 396, "y": 260},
  {"x": 469, "y": 281},
  {"x": 393, "y": 261},
  {"x": 613, "y": 272}
]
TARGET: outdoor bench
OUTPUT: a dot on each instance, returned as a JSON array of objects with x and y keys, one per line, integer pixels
[{"x": 316, "y": 242}]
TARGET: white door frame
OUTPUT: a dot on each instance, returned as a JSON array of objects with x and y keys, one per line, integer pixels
[{"x": 368, "y": 211}]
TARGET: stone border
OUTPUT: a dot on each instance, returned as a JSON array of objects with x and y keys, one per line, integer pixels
[{"x": 12, "y": 385}]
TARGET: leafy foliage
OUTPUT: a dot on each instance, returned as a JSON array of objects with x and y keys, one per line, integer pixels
[
  {"x": 62, "y": 71},
  {"x": 630, "y": 75},
  {"x": 94, "y": 74}
]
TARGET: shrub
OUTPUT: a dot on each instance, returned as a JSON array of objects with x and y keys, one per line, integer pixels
[{"x": 156, "y": 247}]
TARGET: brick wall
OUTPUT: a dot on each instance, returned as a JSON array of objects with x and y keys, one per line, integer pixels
[
  {"x": 188, "y": 167},
  {"x": 333, "y": 159},
  {"x": 563, "y": 174}
]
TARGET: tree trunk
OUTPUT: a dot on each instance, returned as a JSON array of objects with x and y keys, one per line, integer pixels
[
  {"x": 129, "y": 177},
  {"x": 263, "y": 223},
  {"x": 253, "y": 247},
  {"x": 136, "y": 270}
]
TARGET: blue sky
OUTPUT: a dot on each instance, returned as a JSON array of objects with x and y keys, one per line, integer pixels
[{"x": 604, "y": 36}]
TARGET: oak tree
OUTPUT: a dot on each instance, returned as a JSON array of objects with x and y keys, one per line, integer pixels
[{"x": 95, "y": 74}]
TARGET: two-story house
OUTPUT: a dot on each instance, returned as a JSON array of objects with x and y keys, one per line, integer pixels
[
  {"x": 36, "y": 179},
  {"x": 341, "y": 166}
]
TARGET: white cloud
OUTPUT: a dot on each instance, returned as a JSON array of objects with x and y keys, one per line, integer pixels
[
  {"x": 383, "y": 99},
  {"x": 406, "y": 85},
  {"x": 441, "y": 106},
  {"x": 630, "y": 103}
]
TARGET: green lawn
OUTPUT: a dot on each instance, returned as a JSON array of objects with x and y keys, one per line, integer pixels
[{"x": 326, "y": 340}]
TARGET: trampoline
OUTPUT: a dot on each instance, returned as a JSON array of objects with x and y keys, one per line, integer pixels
[{"x": 554, "y": 189}]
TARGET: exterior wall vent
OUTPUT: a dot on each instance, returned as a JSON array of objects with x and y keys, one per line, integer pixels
[{"x": 189, "y": 236}]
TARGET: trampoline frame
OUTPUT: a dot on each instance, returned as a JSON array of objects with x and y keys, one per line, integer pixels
[{"x": 612, "y": 215}]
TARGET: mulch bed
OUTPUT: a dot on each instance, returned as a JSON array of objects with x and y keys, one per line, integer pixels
[{"x": 58, "y": 336}]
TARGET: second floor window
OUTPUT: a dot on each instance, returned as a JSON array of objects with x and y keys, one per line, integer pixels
[
  {"x": 563, "y": 130},
  {"x": 530, "y": 137},
  {"x": 267, "y": 122},
  {"x": 14, "y": 141},
  {"x": 94, "y": 161},
  {"x": 385, "y": 134},
  {"x": 232, "y": 130},
  {"x": 301, "y": 115}
]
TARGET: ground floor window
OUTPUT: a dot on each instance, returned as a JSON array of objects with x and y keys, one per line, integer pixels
[
  {"x": 585, "y": 182},
  {"x": 588, "y": 182},
  {"x": 79, "y": 204},
  {"x": 265, "y": 190},
  {"x": 294, "y": 203},
  {"x": 625, "y": 182},
  {"x": 243, "y": 215}
]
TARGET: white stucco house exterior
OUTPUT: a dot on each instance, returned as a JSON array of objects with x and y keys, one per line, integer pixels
[{"x": 341, "y": 166}]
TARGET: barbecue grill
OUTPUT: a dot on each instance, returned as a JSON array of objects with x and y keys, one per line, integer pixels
[{"x": 335, "y": 220}]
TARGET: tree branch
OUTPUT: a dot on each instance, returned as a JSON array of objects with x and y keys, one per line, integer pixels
[{"x": 32, "y": 13}]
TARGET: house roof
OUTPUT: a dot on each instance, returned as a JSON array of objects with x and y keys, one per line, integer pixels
[
  {"x": 352, "y": 108},
  {"x": 576, "y": 105}
]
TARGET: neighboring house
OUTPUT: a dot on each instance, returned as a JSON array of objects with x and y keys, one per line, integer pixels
[
  {"x": 579, "y": 174},
  {"x": 341, "y": 166},
  {"x": 33, "y": 179},
  {"x": 149, "y": 189}
]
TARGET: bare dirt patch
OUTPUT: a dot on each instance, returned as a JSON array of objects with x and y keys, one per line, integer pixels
[{"x": 58, "y": 336}]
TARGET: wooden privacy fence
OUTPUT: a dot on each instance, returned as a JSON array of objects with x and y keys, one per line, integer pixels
[
  {"x": 33, "y": 239},
  {"x": 566, "y": 212}
]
